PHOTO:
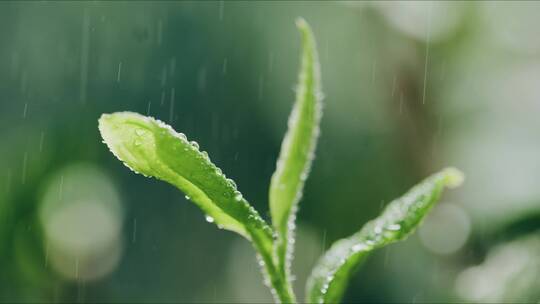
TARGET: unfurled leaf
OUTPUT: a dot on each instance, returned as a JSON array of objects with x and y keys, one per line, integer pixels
[
  {"x": 297, "y": 149},
  {"x": 400, "y": 218},
  {"x": 152, "y": 148}
]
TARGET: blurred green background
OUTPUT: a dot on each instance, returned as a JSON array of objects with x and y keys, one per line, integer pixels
[{"x": 410, "y": 87}]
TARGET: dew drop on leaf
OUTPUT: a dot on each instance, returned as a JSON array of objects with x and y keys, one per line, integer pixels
[
  {"x": 238, "y": 196},
  {"x": 394, "y": 227},
  {"x": 209, "y": 219},
  {"x": 231, "y": 182},
  {"x": 359, "y": 247}
]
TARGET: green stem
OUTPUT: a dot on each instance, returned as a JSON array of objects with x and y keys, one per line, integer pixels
[{"x": 280, "y": 285}]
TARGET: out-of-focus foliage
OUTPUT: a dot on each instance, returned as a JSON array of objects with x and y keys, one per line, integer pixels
[
  {"x": 414, "y": 86},
  {"x": 508, "y": 275}
]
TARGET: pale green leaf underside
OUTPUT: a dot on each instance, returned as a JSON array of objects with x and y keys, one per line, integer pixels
[
  {"x": 399, "y": 219},
  {"x": 152, "y": 148},
  {"x": 298, "y": 146}
]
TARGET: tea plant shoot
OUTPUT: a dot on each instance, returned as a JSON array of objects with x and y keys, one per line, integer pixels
[{"x": 152, "y": 148}]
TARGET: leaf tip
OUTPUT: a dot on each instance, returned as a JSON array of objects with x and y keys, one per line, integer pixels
[
  {"x": 108, "y": 120},
  {"x": 454, "y": 177},
  {"x": 301, "y": 23}
]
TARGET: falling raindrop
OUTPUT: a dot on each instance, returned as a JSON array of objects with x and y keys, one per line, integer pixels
[
  {"x": 77, "y": 269},
  {"x": 85, "y": 42},
  {"x": 134, "y": 236},
  {"x": 159, "y": 32},
  {"x": 171, "y": 109},
  {"x": 47, "y": 254},
  {"x": 25, "y": 110},
  {"x": 221, "y": 9},
  {"x": 61, "y": 188},
  {"x": 270, "y": 62},
  {"x": 162, "y": 97},
  {"x": 428, "y": 36},
  {"x": 201, "y": 79},
  {"x": 260, "y": 91},
  {"x": 119, "y": 72},
  {"x": 164, "y": 76},
  {"x": 401, "y": 103},
  {"x": 172, "y": 66},
  {"x": 373, "y": 69},
  {"x": 25, "y": 160},
  {"x": 41, "y": 139},
  {"x": 394, "y": 81},
  {"x": 224, "y": 69}
]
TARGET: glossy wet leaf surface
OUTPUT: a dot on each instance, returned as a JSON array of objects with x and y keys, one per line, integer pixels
[
  {"x": 297, "y": 149},
  {"x": 152, "y": 148},
  {"x": 400, "y": 218}
]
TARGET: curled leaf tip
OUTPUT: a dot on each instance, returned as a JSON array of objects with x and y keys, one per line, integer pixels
[{"x": 301, "y": 23}]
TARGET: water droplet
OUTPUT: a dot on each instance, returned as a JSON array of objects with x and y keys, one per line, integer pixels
[
  {"x": 359, "y": 247},
  {"x": 187, "y": 197},
  {"x": 218, "y": 171},
  {"x": 394, "y": 227},
  {"x": 209, "y": 219},
  {"x": 231, "y": 182},
  {"x": 182, "y": 136},
  {"x": 238, "y": 196},
  {"x": 205, "y": 154},
  {"x": 195, "y": 144}
]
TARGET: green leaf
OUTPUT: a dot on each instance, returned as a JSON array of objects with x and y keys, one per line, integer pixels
[
  {"x": 399, "y": 219},
  {"x": 297, "y": 149},
  {"x": 152, "y": 148}
]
